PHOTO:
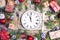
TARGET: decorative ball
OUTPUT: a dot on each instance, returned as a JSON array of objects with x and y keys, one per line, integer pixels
[
  {"x": 4, "y": 35},
  {"x": 43, "y": 35},
  {"x": 56, "y": 22},
  {"x": 52, "y": 18},
  {"x": 2, "y": 21},
  {"x": 30, "y": 38},
  {"x": 36, "y": 1},
  {"x": 2, "y": 16},
  {"x": 16, "y": 2},
  {"x": 14, "y": 36},
  {"x": 21, "y": 1}
]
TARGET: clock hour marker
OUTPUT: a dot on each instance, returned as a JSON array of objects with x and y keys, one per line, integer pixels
[
  {"x": 37, "y": 20},
  {"x": 36, "y": 23},
  {"x": 31, "y": 13},
  {"x": 24, "y": 23}
]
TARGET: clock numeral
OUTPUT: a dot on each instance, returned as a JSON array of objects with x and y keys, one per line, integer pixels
[
  {"x": 24, "y": 23},
  {"x": 30, "y": 26},
  {"x": 37, "y": 20},
  {"x": 36, "y": 23},
  {"x": 31, "y": 13}
]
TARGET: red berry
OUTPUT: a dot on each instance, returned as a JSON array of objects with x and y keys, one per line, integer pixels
[{"x": 21, "y": 1}]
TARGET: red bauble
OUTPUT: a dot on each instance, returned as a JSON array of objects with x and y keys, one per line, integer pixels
[
  {"x": 36, "y": 1},
  {"x": 21, "y": 1},
  {"x": 53, "y": 0},
  {"x": 30, "y": 38},
  {"x": 3, "y": 21},
  {"x": 4, "y": 35}
]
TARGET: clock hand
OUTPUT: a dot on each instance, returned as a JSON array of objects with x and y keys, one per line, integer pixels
[{"x": 29, "y": 16}]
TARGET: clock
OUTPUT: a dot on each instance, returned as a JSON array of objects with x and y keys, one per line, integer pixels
[{"x": 31, "y": 20}]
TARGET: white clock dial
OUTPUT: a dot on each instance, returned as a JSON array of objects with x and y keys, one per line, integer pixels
[
  {"x": 2, "y": 16},
  {"x": 31, "y": 20}
]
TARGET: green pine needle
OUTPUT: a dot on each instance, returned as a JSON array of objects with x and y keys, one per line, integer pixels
[{"x": 26, "y": 7}]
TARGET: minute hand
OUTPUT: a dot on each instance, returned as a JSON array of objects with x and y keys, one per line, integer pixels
[{"x": 30, "y": 18}]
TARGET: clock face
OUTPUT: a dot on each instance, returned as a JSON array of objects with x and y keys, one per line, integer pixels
[{"x": 31, "y": 20}]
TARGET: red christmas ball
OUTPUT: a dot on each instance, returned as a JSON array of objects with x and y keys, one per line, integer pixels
[
  {"x": 21, "y": 1},
  {"x": 36, "y": 1},
  {"x": 30, "y": 38},
  {"x": 53, "y": 0},
  {"x": 3, "y": 21},
  {"x": 4, "y": 35}
]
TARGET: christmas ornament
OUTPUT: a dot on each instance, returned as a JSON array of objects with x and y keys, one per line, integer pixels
[
  {"x": 43, "y": 35},
  {"x": 10, "y": 6},
  {"x": 2, "y": 16},
  {"x": 30, "y": 37},
  {"x": 52, "y": 18},
  {"x": 17, "y": 2},
  {"x": 14, "y": 37},
  {"x": 2, "y": 19},
  {"x": 36, "y": 1},
  {"x": 56, "y": 22},
  {"x": 4, "y": 35},
  {"x": 21, "y": 1}
]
